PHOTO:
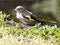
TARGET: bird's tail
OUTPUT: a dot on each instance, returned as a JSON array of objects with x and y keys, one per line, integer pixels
[{"x": 41, "y": 21}]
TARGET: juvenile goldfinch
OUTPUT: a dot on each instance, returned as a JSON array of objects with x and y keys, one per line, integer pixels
[{"x": 26, "y": 17}]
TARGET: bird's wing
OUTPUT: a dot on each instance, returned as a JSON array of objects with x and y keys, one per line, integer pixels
[{"x": 29, "y": 17}]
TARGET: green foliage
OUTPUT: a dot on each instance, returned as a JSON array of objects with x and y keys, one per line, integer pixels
[
  {"x": 34, "y": 30},
  {"x": 46, "y": 31},
  {"x": 1, "y": 18}
]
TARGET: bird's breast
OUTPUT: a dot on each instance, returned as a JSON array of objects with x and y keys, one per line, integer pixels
[{"x": 19, "y": 16}]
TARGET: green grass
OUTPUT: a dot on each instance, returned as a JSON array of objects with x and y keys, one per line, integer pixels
[{"x": 13, "y": 34}]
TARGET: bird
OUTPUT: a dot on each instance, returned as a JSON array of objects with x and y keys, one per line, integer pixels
[{"x": 26, "y": 17}]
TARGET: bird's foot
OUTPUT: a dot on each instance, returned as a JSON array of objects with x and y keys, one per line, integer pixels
[{"x": 22, "y": 25}]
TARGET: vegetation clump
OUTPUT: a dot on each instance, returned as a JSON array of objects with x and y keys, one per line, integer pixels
[{"x": 12, "y": 33}]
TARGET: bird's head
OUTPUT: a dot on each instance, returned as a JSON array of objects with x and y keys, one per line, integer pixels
[{"x": 19, "y": 8}]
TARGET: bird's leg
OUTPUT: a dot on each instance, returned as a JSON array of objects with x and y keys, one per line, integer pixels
[{"x": 23, "y": 24}]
